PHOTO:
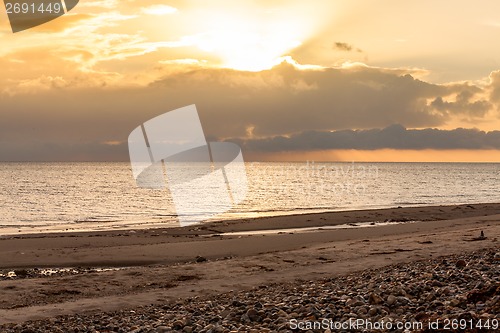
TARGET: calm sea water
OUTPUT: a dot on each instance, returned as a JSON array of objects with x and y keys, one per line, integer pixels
[{"x": 60, "y": 196}]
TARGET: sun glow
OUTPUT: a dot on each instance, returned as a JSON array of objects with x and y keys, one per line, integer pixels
[
  {"x": 253, "y": 39},
  {"x": 247, "y": 50},
  {"x": 240, "y": 47}
]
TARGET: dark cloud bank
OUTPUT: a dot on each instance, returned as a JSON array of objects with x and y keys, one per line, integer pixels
[
  {"x": 392, "y": 137},
  {"x": 282, "y": 109}
]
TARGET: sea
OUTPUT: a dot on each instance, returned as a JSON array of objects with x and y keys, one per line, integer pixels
[{"x": 47, "y": 197}]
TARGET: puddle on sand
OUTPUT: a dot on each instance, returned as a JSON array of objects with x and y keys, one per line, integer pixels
[
  {"x": 311, "y": 229},
  {"x": 45, "y": 272}
]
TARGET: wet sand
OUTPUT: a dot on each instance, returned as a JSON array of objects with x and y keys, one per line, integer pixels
[{"x": 165, "y": 265}]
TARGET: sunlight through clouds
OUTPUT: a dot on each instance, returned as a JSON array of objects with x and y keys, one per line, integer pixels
[
  {"x": 248, "y": 37},
  {"x": 243, "y": 36},
  {"x": 273, "y": 69}
]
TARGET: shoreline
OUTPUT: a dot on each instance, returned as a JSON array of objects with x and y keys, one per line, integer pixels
[
  {"x": 140, "y": 247},
  {"x": 122, "y": 226},
  {"x": 294, "y": 220},
  {"x": 166, "y": 265}
]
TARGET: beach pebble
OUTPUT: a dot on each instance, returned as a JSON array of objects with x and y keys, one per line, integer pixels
[
  {"x": 373, "y": 311},
  {"x": 424, "y": 291},
  {"x": 21, "y": 273},
  {"x": 200, "y": 259},
  {"x": 375, "y": 299},
  {"x": 253, "y": 315}
]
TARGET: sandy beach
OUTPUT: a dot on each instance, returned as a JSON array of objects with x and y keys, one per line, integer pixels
[{"x": 91, "y": 273}]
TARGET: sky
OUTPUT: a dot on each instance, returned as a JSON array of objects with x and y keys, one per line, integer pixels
[{"x": 322, "y": 80}]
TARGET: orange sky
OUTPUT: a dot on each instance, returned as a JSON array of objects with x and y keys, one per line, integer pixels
[
  {"x": 384, "y": 155},
  {"x": 274, "y": 76}
]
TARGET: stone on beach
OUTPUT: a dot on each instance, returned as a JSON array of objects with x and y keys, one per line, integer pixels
[{"x": 423, "y": 291}]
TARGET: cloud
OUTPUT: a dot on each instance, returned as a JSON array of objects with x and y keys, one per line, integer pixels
[
  {"x": 287, "y": 100},
  {"x": 345, "y": 47},
  {"x": 158, "y": 10},
  {"x": 495, "y": 88},
  {"x": 108, "y": 4},
  {"x": 463, "y": 103},
  {"x": 285, "y": 108},
  {"x": 391, "y": 137},
  {"x": 42, "y": 83},
  {"x": 342, "y": 46},
  {"x": 87, "y": 79},
  {"x": 62, "y": 23}
]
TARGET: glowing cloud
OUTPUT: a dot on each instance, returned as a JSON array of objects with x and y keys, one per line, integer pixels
[
  {"x": 247, "y": 37},
  {"x": 159, "y": 10}
]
